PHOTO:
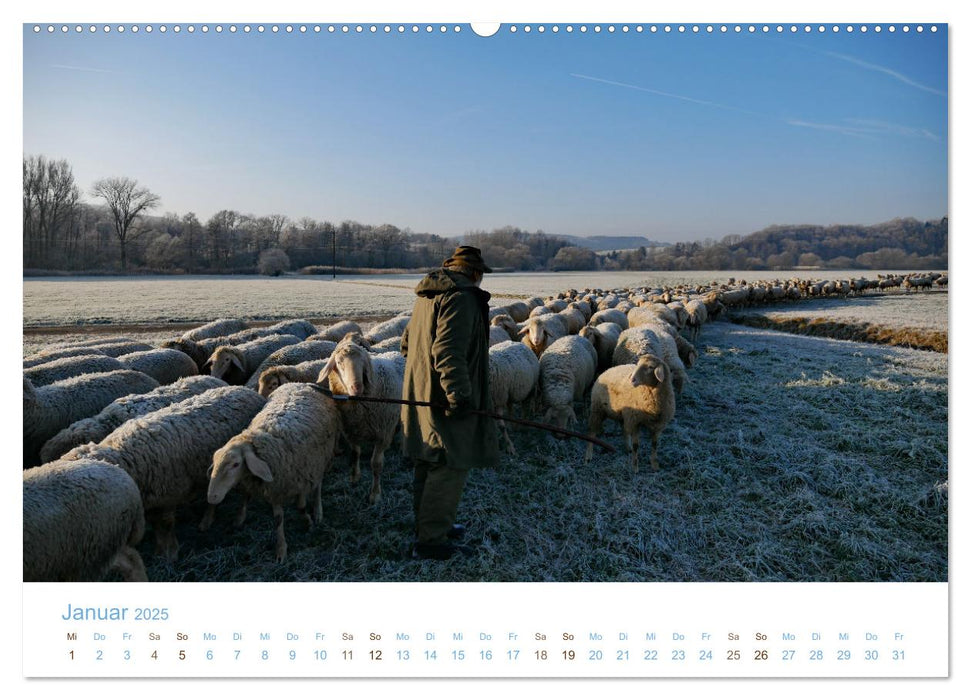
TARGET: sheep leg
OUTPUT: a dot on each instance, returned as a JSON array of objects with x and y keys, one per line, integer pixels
[
  {"x": 241, "y": 515},
  {"x": 595, "y": 426},
  {"x": 505, "y": 432},
  {"x": 356, "y": 466},
  {"x": 377, "y": 463},
  {"x": 654, "y": 464},
  {"x": 302, "y": 508},
  {"x": 318, "y": 514},
  {"x": 166, "y": 543},
  {"x": 129, "y": 564},
  {"x": 632, "y": 436},
  {"x": 281, "y": 541},
  {"x": 208, "y": 518}
]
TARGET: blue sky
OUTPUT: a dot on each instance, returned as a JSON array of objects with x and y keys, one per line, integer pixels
[{"x": 672, "y": 136}]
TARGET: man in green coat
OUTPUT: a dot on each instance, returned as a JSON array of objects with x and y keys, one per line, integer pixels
[{"x": 446, "y": 346}]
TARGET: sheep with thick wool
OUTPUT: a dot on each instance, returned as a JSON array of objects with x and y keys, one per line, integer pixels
[
  {"x": 610, "y": 316},
  {"x": 513, "y": 375},
  {"x": 49, "y": 409},
  {"x": 336, "y": 331},
  {"x": 538, "y": 332},
  {"x": 67, "y": 367},
  {"x": 235, "y": 364},
  {"x": 652, "y": 339},
  {"x": 637, "y": 396},
  {"x": 294, "y": 354},
  {"x": 566, "y": 371},
  {"x": 351, "y": 370},
  {"x": 82, "y": 520},
  {"x": 165, "y": 365},
  {"x": 604, "y": 337},
  {"x": 168, "y": 453},
  {"x": 697, "y": 317},
  {"x": 281, "y": 456},
  {"x": 274, "y": 377},
  {"x": 215, "y": 329},
  {"x": 387, "y": 329},
  {"x": 112, "y": 416}
]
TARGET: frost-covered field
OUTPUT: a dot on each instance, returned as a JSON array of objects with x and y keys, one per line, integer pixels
[
  {"x": 789, "y": 459},
  {"x": 130, "y": 300}
]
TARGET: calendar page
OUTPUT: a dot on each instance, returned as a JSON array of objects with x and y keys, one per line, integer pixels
[{"x": 499, "y": 343}]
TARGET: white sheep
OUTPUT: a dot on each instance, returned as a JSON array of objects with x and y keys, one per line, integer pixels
[
  {"x": 353, "y": 371},
  {"x": 610, "y": 316},
  {"x": 337, "y": 331},
  {"x": 513, "y": 375},
  {"x": 518, "y": 311},
  {"x": 281, "y": 456},
  {"x": 652, "y": 339},
  {"x": 235, "y": 364},
  {"x": 604, "y": 337},
  {"x": 506, "y": 322},
  {"x": 215, "y": 329},
  {"x": 387, "y": 345},
  {"x": 573, "y": 318},
  {"x": 538, "y": 332},
  {"x": 98, "y": 346},
  {"x": 566, "y": 371},
  {"x": 82, "y": 520},
  {"x": 697, "y": 317},
  {"x": 294, "y": 354},
  {"x": 50, "y": 355},
  {"x": 497, "y": 335},
  {"x": 636, "y": 396},
  {"x": 49, "y": 409},
  {"x": 98, "y": 427},
  {"x": 299, "y": 327},
  {"x": 201, "y": 350},
  {"x": 651, "y": 313},
  {"x": 168, "y": 452},
  {"x": 67, "y": 367},
  {"x": 165, "y": 365},
  {"x": 304, "y": 372},
  {"x": 387, "y": 329}
]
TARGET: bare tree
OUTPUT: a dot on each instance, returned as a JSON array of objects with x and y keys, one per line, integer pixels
[
  {"x": 126, "y": 200},
  {"x": 50, "y": 197}
]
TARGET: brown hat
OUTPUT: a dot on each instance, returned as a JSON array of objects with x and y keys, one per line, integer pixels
[{"x": 468, "y": 256}]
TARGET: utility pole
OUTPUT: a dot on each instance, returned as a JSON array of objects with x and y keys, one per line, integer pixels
[{"x": 334, "y": 255}]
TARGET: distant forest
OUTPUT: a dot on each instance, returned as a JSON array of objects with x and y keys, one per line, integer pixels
[{"x": 118, "y": 232}]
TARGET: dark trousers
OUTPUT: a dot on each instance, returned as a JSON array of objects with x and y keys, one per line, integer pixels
[{"x": 437, "y": 492}]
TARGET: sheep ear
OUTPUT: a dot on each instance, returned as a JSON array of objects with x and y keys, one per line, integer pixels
[
  {"x": 259, "y": 468},
  {"x": 328, "y": 368},
  {"x": 523, "y": 331},
  {"x": 236, "y": 361},
  {"x": 659, "y": 373}
]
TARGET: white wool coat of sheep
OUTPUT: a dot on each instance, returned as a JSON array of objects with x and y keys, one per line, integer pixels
[
  {"x": 653, "y": 339},
  {"x": 337, "y": 331},
  {"x": 168, "y": 452},
  {"x": 506, "y": 322},
  {"x": 51, "y": 355},
  {"x": 112, "y": 416},
  {"x": 566, "y": 371},
  {"x": 651, "y": 313},
  {"x": 299, "y": 327},
  {"x": 352, "y": 370},
  {"x": 637, "y": 396},
  {"x": 387, "y": 329},
  {"x": 214, "y": 329},
  {"x": 305, "y": 351},
  {"x": 539, "y": 332},
  {"x": 274, "y": 377},
  {"x": 697, "y": 317},
  {"x": 610, "y": 316},
  {"x": 235, "y": 364},
  {"x": 49, "y": 409},
  {"x": 513, "y": 376},
  {"x": 165, "y": 365},
  {"x": 518, "y": 311},
  {"x": 281, "y": 456},
  {"x": 67, "y": 367},
  {"x": 82, "y": 520},
  {"x": 604, "y": 337}
]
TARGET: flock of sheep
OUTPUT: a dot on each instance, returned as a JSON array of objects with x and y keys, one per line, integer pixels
[{"x": 119, "y": 433}]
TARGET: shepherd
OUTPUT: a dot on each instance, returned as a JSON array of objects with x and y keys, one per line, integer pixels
[{"x": 446, "y": 346}]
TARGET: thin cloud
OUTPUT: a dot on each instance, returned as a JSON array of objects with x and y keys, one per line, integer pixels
[
  {"x": 666, "y": 94},
  {"x": 887, "y": 71},
  {"x": 868, "y": 128},
  {"x": 86, "y": 69}
]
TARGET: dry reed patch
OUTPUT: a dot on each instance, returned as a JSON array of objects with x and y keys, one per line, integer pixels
[{"x": 918, "y": 338}]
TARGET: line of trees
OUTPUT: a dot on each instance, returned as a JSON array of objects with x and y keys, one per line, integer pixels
[{"x": 118, "y": 231}]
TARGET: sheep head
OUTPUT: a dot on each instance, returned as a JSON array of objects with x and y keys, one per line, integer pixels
[
  {"x": 229, "y": 465},
  {"x": 348, "y": 370},
  {"x": 649, "y": 371},
  {"x": 223, "y": 360}
]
